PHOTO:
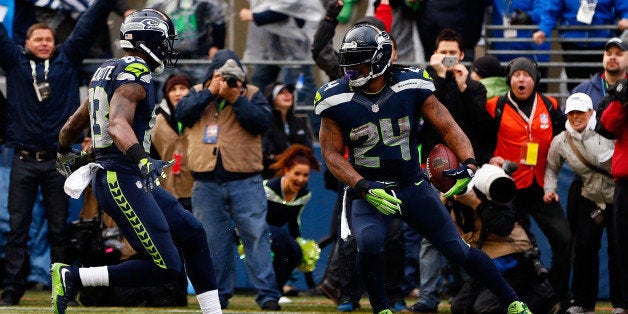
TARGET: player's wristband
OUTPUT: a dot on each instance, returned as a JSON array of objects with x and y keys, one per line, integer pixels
[
  {"x": 470, "y": 161},
  {"x": 361, "y": 186},
  {"x": 136, "y": 153}
]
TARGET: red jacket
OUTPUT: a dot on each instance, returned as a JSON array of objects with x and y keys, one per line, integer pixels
[
  {"x": 615, "y": 120},
  {"x": 513, "y": 134}
]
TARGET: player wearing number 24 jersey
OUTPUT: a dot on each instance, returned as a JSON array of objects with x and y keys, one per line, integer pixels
[
  {"x": 374, "y": 111},
  {"x": 393, "y": 157}
]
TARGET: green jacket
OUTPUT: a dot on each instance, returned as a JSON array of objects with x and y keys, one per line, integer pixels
[{"x": 495, "y": 86}]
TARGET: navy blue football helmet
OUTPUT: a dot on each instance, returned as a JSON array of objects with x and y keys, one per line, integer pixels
[
  {"x": 153, "y": 33},
  {"x": 365, "y": 44}
]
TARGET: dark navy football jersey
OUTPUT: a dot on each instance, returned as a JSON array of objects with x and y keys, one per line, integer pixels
[
  {"x": 380, "y": 130},
  {"x": 109, "y": 76}
]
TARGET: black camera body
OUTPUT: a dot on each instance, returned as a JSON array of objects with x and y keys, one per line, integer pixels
[
  {"x": 232, "y": 80},
  {"x": 619, "y": 91},
  {"x": 533, "y": 256}
]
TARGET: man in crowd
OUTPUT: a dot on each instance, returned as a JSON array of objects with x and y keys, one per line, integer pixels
[
  {"x": 615, "y": 120},
  {"x": 42, "y": 92},
  {"x": 225, "y": 118},
  {"x": 525, "y": 122}
]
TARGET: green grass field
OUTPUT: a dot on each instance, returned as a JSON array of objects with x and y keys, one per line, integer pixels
[{"x": 39, "y": 302}]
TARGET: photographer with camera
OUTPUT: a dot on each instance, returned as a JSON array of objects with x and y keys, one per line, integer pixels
[
  {"x": 615, "y": 120},
  {"x": 224, "y": 119},
  {"x": 589, "y": 156},
  {"x": 490, "y": 225}
]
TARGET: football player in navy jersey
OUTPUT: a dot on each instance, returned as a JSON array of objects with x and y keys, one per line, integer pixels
[
  {"x": 120, "y": 111},
  {"x": 375, "y": 110}
]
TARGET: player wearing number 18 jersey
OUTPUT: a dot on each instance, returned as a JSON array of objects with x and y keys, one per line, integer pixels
[
  {"x": 121, "y": 114},
  {"x": 375, "y": 111}
]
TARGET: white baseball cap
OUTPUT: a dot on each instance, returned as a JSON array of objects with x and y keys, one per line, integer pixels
[{"x": 579, "y": 102}]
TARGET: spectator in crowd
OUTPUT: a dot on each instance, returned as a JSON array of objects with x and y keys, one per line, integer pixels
[
  {"x": 525, "y": 122},
  {"x": 392, "y": 182},
  {"x": 615, "y": 64},
  {"x": 488, "y": 71},
  {"x": 3, "y": 118},
  {"x": 493, "y": 228},
  {"x": 286, "y": 128},
  {"x": 201, "y": 29},
  {"x": 42, "y": 92},
  {"x": 322, "y": 48},
  {"x": 226, "y": 117},
  {"x": 62, "y": 17},
  {"x": 516, "y": 13},
  {"x": 283, "y": 31},
  {"x": 464, "y": 16},
  {"x": 589, "y": 155},
  {"x": 287, "y": 194},
  {"x": 402, "y": 29},
  {"x": 579, "y": 13},
  {"x": 126, "y": 183},
  {"x": 465, "y": 99},
  {"x": 615, "y": 120},
  {"x": 170, "y": 143}
]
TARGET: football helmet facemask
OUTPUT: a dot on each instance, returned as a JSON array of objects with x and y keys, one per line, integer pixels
[
  {"x": 153, "y": 33},
  {"x": 364, "y": 44}
]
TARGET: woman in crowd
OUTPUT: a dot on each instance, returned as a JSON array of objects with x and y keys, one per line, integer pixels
[
  {"x": 589, "y": 156},
  {"x": 287, "y": 128},
  {"x": 287, "y": 194},
  {"x": 168, "y": 141}
]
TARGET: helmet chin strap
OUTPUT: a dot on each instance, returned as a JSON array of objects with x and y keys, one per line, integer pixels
[
  {"x": 160, "y": 68},
  {"x": 358, "y": 82}
]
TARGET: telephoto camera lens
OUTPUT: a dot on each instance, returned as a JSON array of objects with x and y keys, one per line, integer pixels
[{"x": 533, "y": 256}]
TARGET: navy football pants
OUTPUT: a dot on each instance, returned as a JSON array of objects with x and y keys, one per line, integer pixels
[
  {"x": 153, "y": 223},
  {"x": 422, "y": 210}
]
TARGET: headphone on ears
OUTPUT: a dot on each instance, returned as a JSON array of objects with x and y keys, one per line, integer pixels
[{"x": 537, "y": 73}]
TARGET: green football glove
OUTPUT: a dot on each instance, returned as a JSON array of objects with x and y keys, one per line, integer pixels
[
  {"x": 377, "y": 195},
  {"x": 463, "y": 175}
]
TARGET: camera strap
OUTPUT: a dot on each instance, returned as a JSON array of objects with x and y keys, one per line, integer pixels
[
  {"x": 582, "y": 159},
  {"x": 34, "y": 70}
]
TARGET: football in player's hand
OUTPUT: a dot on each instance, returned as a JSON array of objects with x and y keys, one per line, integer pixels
[{"x": 441, "y": 158}]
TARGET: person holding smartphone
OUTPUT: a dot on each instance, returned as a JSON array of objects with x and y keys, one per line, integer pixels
[{"x": 466, "y": 100}]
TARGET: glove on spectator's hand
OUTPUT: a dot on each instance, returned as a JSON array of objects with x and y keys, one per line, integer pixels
[
  {"x": 151, "y": 169},
  {"x": 463, "y": 175},
  {"x": 520, "y": 18},
  {"x": 412, "y": 4},
  {"x": 333, "y": 9},
  {"x": 377, "y": 195},
  {"x": 619, "y": 91},
  {"x": 68, "y": 162}
]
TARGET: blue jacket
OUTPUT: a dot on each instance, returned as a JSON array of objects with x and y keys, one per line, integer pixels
[
  {"x": 35, "y": 125},
  {"x": 564, "y": 12},
  {"x": 535, "y": 9},
  {"x": 594, "y": 87}
]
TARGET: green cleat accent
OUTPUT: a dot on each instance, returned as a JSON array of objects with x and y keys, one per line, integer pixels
[
  {"x": 63, "y": 289},
  {"x": 386, "y": 311},
  {"x": 518, "y": 307}
]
